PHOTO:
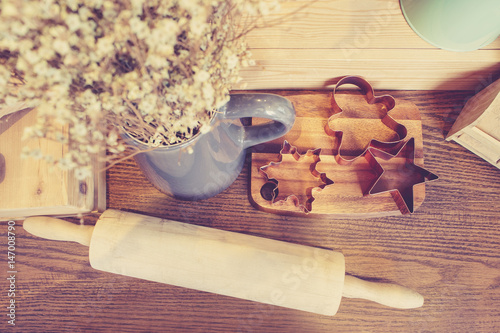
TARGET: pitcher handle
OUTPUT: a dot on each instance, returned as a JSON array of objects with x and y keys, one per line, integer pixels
[{"x": 261, "y": 105}]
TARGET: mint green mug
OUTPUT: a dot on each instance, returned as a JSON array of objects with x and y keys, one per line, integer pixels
[{"x": 454, "y": 25}]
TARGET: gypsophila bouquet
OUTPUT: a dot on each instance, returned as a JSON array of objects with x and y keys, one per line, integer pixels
[{"x": 155, "y": 69}]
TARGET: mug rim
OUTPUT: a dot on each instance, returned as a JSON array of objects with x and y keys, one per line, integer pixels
[{"x": 178, "y": 145}]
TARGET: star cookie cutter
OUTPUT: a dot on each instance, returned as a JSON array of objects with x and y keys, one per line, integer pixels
[
  {"x": 270, "y": 190},
  {"x": 399, "y": 176},
  {"x": 387, "y": 104}
]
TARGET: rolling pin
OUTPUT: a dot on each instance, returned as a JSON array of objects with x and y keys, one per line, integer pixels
[{"x": 221, "y": 262}]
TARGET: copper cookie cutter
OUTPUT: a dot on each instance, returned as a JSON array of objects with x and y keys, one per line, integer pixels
[
  {"x": 400, "y": 175},
  {"x": 388, "y": 103},
  {"x": 270, "y": 190},
  {"x": 399, "y": 179}
]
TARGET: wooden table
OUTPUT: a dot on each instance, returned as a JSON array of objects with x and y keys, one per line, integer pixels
[
  {"x": 316, "y": 40},
  {"x": 448, "y": 250}
]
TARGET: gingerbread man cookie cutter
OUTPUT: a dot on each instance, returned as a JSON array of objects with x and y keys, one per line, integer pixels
[{"x": 387, "y": 104}]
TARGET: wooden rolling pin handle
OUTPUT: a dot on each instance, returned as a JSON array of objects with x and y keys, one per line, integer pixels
[
  {"x": 56, "y": 229},
  {"x": 387, "y": 294}
]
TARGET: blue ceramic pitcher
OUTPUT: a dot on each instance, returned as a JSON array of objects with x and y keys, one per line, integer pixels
[{"x": 209, "y": 162}]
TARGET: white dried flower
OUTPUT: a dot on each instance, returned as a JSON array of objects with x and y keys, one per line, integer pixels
[
  {"x": 9, "y": 9},
  {"x": 82, "y": 173},
  {"x": 79, "y": 131},
  {"x": 157, "y": 68}
]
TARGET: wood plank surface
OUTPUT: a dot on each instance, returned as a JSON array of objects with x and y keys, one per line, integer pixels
[
  {"x": 307, "y": 43},
  {"x": 448, "y": 250},
  {"x": 321, "y": 24},
  {"x": 406, "y": 69}
]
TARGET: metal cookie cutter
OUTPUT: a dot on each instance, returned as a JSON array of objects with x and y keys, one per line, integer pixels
[
  {"x": 270, "y": 190},
  {"x": 399, "y": 175},
  {"x": 387, "y": 122}
]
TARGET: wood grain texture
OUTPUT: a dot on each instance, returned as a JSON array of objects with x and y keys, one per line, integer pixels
[
  {"x": 32, "y": 186},
  {"x": 404, "y": 69},
  {"x": 309, "y": 42},
  {"x": 449, "y": 251}
]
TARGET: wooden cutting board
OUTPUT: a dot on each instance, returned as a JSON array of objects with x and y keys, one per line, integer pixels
[{"x": 347, "y": 196}]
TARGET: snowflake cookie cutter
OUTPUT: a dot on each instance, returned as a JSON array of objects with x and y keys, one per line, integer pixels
[
  {"x": 387, "y": 104},
  {"x": 270, "y": 190},
  {"x": 399, "y": 179}
]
